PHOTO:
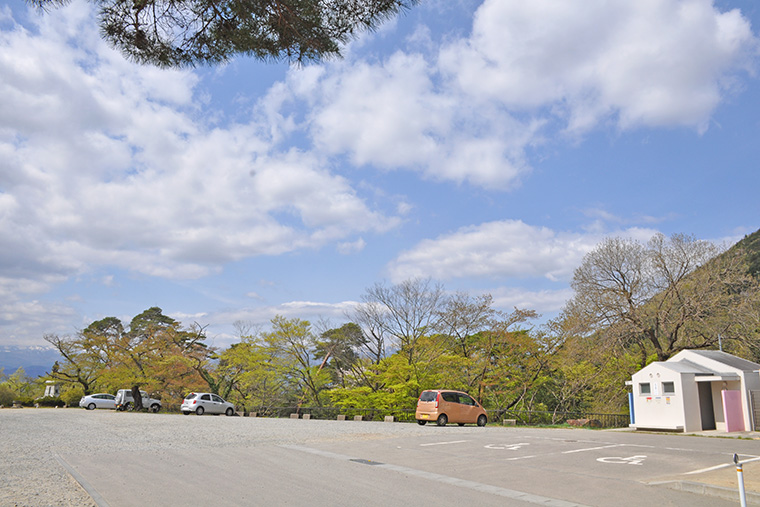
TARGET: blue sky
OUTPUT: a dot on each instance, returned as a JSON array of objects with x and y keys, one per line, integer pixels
[{"x": 487, "y": 145}]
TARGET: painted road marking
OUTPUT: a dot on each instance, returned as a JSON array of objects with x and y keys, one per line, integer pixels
[
  {"x": 593, "y": 448},
  {"x": 633, "y": 460},
  {"x": 445, "y": 443},
  {"x": 725, "y": 465},
  {"x": 446, "y": 479},
  {"x": 508, "y": 447},
  {"x": 520, "y": 457}
]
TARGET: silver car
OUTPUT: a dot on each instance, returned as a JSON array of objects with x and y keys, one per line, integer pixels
[
  {"x": 100, "y": 400},
  {"x": 206, "y": 403}
]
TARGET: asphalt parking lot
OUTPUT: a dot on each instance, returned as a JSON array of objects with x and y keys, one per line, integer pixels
[{"x": 443, "y": 466}]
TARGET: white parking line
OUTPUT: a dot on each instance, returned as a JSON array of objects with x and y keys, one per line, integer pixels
[
  {"x": 447, "y": 479},
  {"x": 519, "y": 457},
  {"x": 724, "y": 465},
  {"x": 445, "y": 443},
  {"x": 593, "y": 448}
]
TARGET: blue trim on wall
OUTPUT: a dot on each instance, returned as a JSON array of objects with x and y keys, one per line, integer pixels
[{"x": 630, "y": 408}]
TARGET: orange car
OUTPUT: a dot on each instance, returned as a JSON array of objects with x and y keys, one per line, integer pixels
[{"x": 443, "y": 406}]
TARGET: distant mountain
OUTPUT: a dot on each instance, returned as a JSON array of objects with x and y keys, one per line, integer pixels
[{"x": 35, "y": 361}]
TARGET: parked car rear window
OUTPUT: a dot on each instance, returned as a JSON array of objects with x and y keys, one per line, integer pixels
[
  {"x": 190, "y": 396},
  {"x": 428, "y": 396}
]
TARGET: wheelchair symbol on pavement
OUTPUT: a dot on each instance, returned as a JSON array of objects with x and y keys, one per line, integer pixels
[{"x": 508, "y": 447}]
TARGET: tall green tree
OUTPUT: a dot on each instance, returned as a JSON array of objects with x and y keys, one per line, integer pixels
[
  {"x": 337, "y": 350},
  {"x": 81, "y": 364},
  {"x": 16, "y": 385},
  {"x": 291, "y": 345}
]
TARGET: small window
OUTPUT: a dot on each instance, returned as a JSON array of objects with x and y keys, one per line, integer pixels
[
  {"x": 206, "y": 397},
  {"x": 452, "y": 397},
  {"x": 668, "y": 387},
  {"x": 644, "y": 388},
  {"x": 466, "y": 400},
  {"x": 428, "y": 396},
  {"x": 217, "y": 398}
]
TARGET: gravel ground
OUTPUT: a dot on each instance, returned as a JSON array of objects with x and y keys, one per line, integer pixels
[{"x": 30, "y": 440}]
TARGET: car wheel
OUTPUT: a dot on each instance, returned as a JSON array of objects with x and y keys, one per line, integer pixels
[
  {"x": 128, "y": 406},
  {"x": 91, "y": 406},
  {"x": 229, "y": 411},
  {"x": 199, "y": 410},
  {"x": 421, "y": 422},
  {"x": 482, "y": 420},
  {"x": 155, "y": 408},
  {"x": 185, "y": 413},
  {"x": 442, "y": 420}
]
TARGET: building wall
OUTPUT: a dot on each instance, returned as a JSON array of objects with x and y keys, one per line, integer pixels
[{"x": 658, "y": 409}]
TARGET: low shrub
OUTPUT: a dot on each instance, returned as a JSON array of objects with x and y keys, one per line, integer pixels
[
  {"x": 49, "y": 401},
  {"x": 24, "y": 401}
]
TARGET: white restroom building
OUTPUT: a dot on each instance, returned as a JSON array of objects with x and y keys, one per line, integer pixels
[{"x": 696, "y": 390}]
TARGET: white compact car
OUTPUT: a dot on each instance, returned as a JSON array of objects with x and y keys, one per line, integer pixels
[
  {"x": 206, "y": 403},
  {"x": 100, "y": 400}
]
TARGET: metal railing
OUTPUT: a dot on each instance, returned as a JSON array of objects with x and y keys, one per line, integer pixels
[
  {"x": 368, "y": 414},
  {"x": 544, "y": 418},
  {"x": 495, "y": 416}
]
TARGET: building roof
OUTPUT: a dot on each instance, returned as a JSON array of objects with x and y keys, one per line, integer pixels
[
  {"x": 737, "y": 363},
  {"x": 686, "y": 366}
]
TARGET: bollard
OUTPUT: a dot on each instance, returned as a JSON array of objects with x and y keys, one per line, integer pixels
[{"x": 740, "y": 476}]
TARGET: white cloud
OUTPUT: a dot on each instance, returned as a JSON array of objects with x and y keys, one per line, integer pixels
[
  {"x": 394, "y": 115},
  {"x": 470, "y": 113},
  {"x": 25, "y": 322},
  {"x": 352, "y": 247},
  {"x": 116, "y": 166},
  {"x": 506, "y": 249},
  {"x": 646, "y": 63},
  {"x": 544, "y": 302},
  {"x": 107, "y": 163}
]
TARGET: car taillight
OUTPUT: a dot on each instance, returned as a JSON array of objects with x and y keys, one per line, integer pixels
[
  {"x": 437, "y": 397},
  {"x": 195, "y": 401}
]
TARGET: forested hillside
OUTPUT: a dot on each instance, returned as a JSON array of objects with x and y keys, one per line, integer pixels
[
  {"x": 634, "y": 303},
  {"x": 750, "y": 245}
]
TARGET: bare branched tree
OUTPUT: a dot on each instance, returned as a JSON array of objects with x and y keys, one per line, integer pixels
[{"x": 662, "y": 297}]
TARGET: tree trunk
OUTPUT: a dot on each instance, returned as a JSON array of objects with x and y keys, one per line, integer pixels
[{"x": 136, "y": 398}]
